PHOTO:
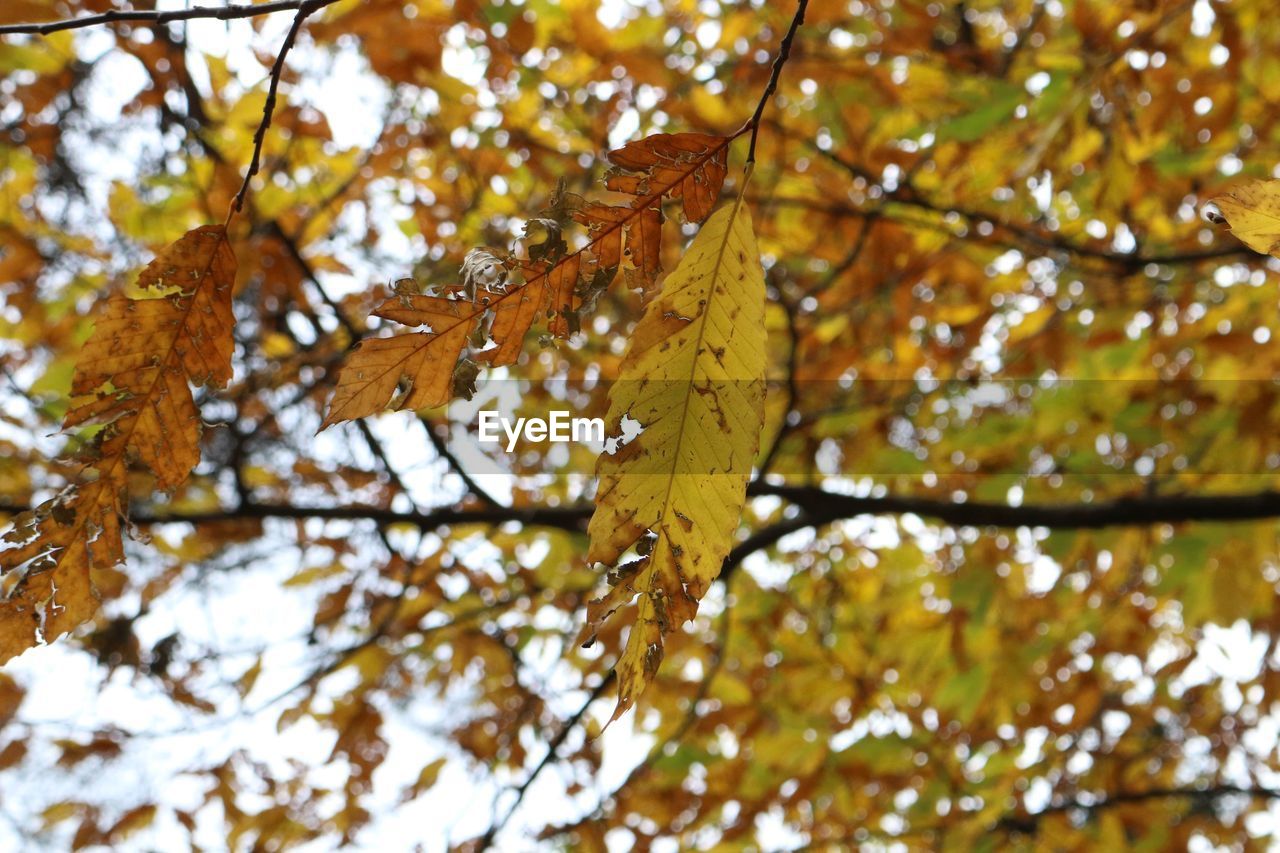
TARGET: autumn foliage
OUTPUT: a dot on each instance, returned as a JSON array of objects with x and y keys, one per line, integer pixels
[{"x": 946, "y": 330}]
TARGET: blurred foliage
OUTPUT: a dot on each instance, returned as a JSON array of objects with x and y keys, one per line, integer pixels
[{"x": 989, "y": 285}]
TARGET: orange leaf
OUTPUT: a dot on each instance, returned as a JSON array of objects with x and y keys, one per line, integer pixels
[
  {"x": 132, "y": 377},
  {"x": 134, "y": 370},
  {"x": 417, "y": 365},
  {"x": 416, "y": 370}
]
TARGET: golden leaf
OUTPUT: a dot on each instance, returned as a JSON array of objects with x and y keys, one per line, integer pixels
[
  {"x": 133, "y": 372},
  {"x": 693, "y": 377},
  {"x": 417, "y": 365},
  {"x": 1252, "y": 210}
]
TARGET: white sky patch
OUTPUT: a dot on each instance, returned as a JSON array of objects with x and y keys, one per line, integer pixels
[
  {"x": 350, "y": 95},
  {"x": 625, "y": 128}
]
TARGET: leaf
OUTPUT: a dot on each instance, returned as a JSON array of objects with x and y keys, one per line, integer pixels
[
  {"x": 45, "y": 588},
  {"x": 993, "y": 110},
  {"x": 132, "y": 378},
  {"x": 133, "y": 821},
  {"x": 693, "y": 377},
  {"x": 133, "y": 372},
  {"x": 417, "y": 366},
  {"x": 1252, "y": 210},
  {"x": 417, "y": 370},
  {"x": 426, "y": 780},
  {"x": 686, "y": 166}
]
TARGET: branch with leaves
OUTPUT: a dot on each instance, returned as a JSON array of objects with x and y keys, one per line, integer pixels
[
  {"x": 885, "y": 200},
  {"x": 132, "y": 381}
]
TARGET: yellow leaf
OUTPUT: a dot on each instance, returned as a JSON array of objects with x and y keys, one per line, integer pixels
[
  {"x": 1252, "y": 210},
  {"x": 132, "y": 821},
  {"x": 693, "y": 377},
  {"x": 426, "y": 779},
  {"x": 278, "y": 345}
]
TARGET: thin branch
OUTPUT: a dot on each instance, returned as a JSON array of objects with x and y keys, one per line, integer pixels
[
  {"x": 690, "y": 717},
  {"x": 784, "y": 51},
  {"x": 1028, "y": 824},
  {"x": 571, "y": 518},
  {"x": 441, "y": 447},
  {"x": 485, "y": 841},
  {"x": 761, "y": 539},
  {"x": 907, "y": 195},
  {"x": 304, "y": 9},
  {"x": 150, "y": 16}
]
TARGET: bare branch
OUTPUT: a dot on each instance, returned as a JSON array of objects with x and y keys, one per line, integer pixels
[
  {"x": 818, "y": 506},
  {"x": 485, "y": 841},
  {"x": 152, "y": 17},
  {"x": 1028, "y": 824},
  {"x": 304, "y": 9},
  {"x": 784, "y": 51}
]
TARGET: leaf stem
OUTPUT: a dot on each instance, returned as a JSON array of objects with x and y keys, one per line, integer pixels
[{"x": 784, "y": 52}]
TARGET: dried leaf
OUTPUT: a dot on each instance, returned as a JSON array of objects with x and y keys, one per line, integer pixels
[
  {"x": 133, "y": 372},
  {"x": 411, "y": 371},
  {"x": 414, "y": 369},
  {"x": 132, "y": 377}
]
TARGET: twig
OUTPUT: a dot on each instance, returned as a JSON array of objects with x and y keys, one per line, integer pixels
[
  {"x": 150, "y": 16},
  {"x": 485, "y": 841},
  {"x": 304, "y": 9},
  {"x": 686, "y": 723},
  {"x": 784, "y": 51},
  {"x": 910, "y": 196},
  {"x": 441, "y": 447}
]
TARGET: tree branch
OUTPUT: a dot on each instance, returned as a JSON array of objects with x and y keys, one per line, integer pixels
[
  {"x": 818, "y": 506},
  {"x": 784, "y": 51},
  {"x": 485, "y": 841},
  {"x": 823, "y": 506},
  {"x": 1028, "y": 824},
  {"x": 907, "y": 195},
  {"x": 305, "y": 8},
  {"x": 149, "y": 16},
  {"x": 441, "y": 447}
]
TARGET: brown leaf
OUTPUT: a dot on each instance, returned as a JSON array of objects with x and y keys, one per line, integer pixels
[
  {"x": 416, "y": 365},
  {"x": 132, "y": 377},
  {"x": 416, "y": 370}
]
